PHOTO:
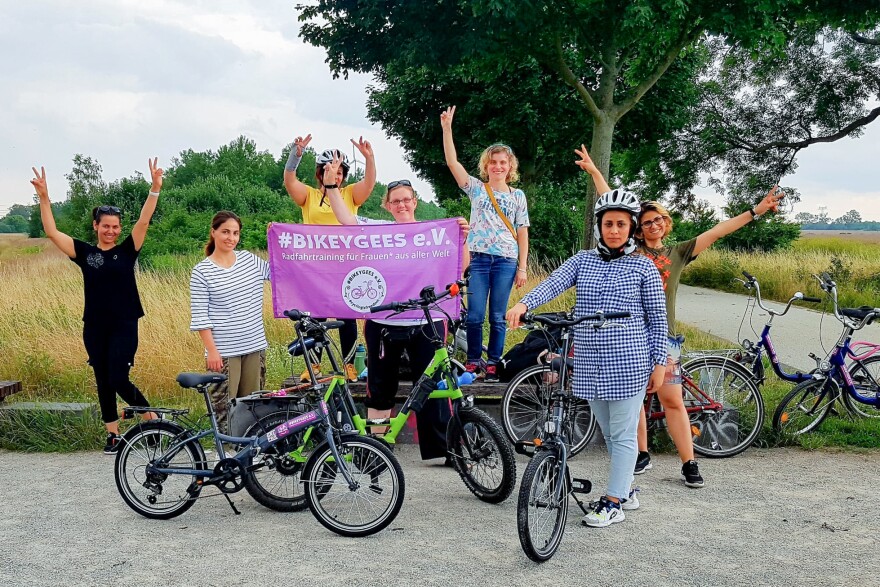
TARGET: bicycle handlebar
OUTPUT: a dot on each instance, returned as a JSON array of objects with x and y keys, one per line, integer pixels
[
  {"x": 751, "y": 282},
  {"x": 296, "y": 314},
  {"x": 855, "y": 318},
  {"x": 566, "y": 319},
  {"x": 426, "y": 298}
]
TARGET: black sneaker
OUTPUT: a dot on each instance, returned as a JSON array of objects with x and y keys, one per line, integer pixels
[
  {"x": 491, "y": 373},
  {"x": 643, "y": 462},
  {"x": 113, "y": 443},
  {"x": 690, "y": 474}
]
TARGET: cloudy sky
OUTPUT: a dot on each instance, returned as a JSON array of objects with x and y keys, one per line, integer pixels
[{"x": 120, "y": 81}]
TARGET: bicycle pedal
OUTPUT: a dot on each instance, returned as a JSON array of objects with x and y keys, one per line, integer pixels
[
  {"x": 581, "y": 485},
  {"x": 525, "y": 448}
]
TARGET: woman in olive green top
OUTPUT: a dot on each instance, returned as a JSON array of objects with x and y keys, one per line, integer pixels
[{"x": 655, "y": 224}]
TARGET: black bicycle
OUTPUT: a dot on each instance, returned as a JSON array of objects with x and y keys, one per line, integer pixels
[
  {"x": 542, "y": 507},
  {"x": 354, "y": 485}
]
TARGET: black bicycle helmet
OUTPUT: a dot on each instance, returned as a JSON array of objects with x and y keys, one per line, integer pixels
[{"x": 618, "y": 199}]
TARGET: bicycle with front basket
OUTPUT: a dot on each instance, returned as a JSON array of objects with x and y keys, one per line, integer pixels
[{"x": 354, "y": 485}]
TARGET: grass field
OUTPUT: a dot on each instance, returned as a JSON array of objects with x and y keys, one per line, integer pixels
[{"x": 41, "y": 335}]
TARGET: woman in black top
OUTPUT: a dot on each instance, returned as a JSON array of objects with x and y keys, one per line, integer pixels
[{"x": 112, "y": 303}]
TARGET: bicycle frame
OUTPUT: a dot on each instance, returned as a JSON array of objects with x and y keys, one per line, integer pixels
[
  {"x": 705, "y": 402},
  {"x": 340, "y": 400},
  {"x": 765, "y": 343}
]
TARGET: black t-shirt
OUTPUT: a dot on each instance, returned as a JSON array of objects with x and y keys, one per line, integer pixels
[{"x": 108, "y": 277}]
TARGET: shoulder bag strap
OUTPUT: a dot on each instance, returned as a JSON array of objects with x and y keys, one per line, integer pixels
[{"x": 500, "y": 213}]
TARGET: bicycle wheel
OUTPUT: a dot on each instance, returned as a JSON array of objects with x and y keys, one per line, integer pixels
[
  {"x": 525, "y": 409},
  {"x": 733, "y": 428},
  {"x": 542, "y": 508},
  {"x": 488, "y": 467},
  {"x": 865, "y": 375},
  {"x": 375, "y": 500},
  {"x": 274, "y": 481},
  {"x": 805, "y": 406},
  {"x": 158, "y": 495}
]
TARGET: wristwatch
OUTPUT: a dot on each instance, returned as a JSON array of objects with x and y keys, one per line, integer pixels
[
  {"x": 331, "y": 186},
  {"x": 755, "y": 215}
]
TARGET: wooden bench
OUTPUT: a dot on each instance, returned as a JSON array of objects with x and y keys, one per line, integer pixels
[{"x": 7, "y": 388}]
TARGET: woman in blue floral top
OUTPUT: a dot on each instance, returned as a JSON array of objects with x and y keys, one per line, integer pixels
[
  {"x": 612, "y": 367},
  {"x": 498, "y": 242}
]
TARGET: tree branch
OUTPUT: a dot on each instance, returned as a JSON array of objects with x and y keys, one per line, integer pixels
[
  {"x": 864, "y": 40},
  {"x": 860, "y": 122},
  {"x": 571, "y": 79},
  {"x": 672, "y": 54}
]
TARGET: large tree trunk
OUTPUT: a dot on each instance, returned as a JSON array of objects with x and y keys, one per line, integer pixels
[{"x": 600, "y": 152}]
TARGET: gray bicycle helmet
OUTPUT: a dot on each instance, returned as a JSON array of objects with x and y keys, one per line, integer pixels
[
  {"x": 618, "y": 199},
  {"x": 327, "y": 157}
]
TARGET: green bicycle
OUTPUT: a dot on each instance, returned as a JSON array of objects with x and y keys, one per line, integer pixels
[{"x": 477, "y": 446}]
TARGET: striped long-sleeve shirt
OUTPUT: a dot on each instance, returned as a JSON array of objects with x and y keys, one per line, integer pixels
[
  {"x": 611, "y": 363},
  {"x": 229, "y": 303}
]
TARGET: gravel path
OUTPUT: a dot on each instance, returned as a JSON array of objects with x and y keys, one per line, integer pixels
[{"x": 767, "y": 517}]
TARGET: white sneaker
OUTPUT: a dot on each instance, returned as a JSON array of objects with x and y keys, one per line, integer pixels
[
  {"x": 627, "y": 503},
  {"x": 632, "y": 502},
  {"x": 605, "y": 514}
]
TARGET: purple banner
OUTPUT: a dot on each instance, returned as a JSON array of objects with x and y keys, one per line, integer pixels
[{"x": 342, "y": 271}]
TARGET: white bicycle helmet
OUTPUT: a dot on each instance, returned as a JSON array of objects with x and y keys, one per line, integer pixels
[
  {"x": 327, "y": 157},
  {"x": 618, "y": 199}
]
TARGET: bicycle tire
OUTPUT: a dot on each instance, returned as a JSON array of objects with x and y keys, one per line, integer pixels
[
  {"x": 864, "y": 374},
  {"x": 730, "y": 431},
  {"x": 805, "y": 406},
  {"x": 160, "y": 496},
  {"x": 490, "y": 474},
  {"x": 378, "y": 475},
  {"x": 537, "y": 508},
  {"x": 275, "y": 479},
  {"x": 526, "y": 407}
]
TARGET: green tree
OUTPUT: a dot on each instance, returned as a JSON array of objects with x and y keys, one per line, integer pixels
[{"x": 612, "y": 54}]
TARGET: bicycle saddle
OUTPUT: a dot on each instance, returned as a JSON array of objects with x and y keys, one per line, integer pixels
[{"x": 190, "y": 380}]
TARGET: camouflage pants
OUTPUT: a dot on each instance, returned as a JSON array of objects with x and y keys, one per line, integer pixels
[{"x": 245, "y": 375}]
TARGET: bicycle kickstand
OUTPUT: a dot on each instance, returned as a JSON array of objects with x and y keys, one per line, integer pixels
[{"x": 232, "y": 505}]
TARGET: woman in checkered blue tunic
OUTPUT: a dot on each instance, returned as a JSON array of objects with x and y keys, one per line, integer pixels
[{"x": 613, "y": 367}]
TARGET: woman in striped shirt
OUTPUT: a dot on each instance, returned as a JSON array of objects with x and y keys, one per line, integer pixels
[{"x": 226, "y": 302}]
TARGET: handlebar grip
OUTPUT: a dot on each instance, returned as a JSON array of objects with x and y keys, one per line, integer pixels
[
  {"x": 295, "y": 314},
  {"x": 813, "y": 300},
  {"x": 331, "y": 324},
  {"x": 384, "y": 307},
  {"x": 749, "y": 276},
  {"x": 611, "y": 315}
]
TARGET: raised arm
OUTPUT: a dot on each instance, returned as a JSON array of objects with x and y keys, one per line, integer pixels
[
  {"x": 458, "y": 171},
  {"x": 770, "y": 202},
  {"x": 297, "y": 190},
  {"x": 61, "y": 240},
  {"x": 139, "y": 231},
  {"x": 362, "y": 189},
  {"x": 586, "y": 163},
  {"x": 343, "y": 214}
]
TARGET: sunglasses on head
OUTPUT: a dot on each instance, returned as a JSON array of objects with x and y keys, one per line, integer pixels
[
  {"x": 107, "y": 210},
  {"x": 398, "y": 183}
]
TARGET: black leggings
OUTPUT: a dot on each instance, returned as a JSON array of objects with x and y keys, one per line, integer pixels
[
  {"x": 385, "y": 345},
  {"x": 111, "y": 346}
]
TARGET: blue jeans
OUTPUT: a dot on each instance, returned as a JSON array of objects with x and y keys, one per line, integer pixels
[
  {"x": 491, "y": 279},
  {"x": 619, "y": 420}
]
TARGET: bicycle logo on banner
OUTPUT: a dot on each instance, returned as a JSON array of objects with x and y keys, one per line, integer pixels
[{"x": 363, "y": 288}]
